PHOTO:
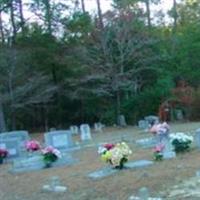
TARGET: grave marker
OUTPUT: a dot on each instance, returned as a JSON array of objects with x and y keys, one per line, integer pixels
[
  {"x": 85, "y": 132},
  {"x": 98, "y": 127},
  {"x": 22, "y": 136},
  {"x": 197, "y": 138},
  {"x": 121, "y": 120},
  {"x": 36, "y": 162},
  {"x": 61, "y": 140},
  {"x": 12, "y": 145},
  {"x": 74, "y": 130},
  {"x": 143, "y": 124},
  {"x": 168, "y": 151}
]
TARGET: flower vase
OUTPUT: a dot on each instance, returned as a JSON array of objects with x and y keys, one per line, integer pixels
[
  {"x": 1, "y": 161},
  {"x": 121, "y": 164}
]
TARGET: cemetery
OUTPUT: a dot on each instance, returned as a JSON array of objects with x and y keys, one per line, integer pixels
[
  {"x": 82, "y": 174},
  {"x": 99, "y": 99}
]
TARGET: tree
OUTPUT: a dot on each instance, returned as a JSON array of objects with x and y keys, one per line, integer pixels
[
  {"x": 21, "y": 87},
  {"x": 100, "y": 17},
  {"x": 120, "y": 56}
]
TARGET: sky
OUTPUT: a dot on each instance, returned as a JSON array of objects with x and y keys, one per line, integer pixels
[
  {"x": 165, "y": 6},
  {"x": 91, "y": 6},
  {"x": 106, "y": 4}
]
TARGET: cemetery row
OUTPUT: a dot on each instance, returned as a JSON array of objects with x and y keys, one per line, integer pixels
[{"x": 17, "y": 147}]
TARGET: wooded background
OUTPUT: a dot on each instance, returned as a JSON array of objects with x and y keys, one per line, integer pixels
[{"x": 61, "y": 65}]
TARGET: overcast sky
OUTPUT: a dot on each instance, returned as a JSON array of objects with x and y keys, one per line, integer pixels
[
  {"x": 91, "y": 6},
  {"x": 106, "y": 4}
]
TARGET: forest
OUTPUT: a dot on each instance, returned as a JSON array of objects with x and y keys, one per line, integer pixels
[{"x": 61, "y": 65}]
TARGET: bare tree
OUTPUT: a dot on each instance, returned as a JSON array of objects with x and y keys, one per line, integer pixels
[
  {"x": 101, "y": 25},
  {"x": 116, "y": 62},
  {"x": 1, "y": 29},
  {"x": 83, "y": 6},
  {"x": 175, "y": 15},
  {"x": 22, "y": 87}
]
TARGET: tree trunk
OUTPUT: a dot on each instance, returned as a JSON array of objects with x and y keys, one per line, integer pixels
[
  {"x": 46, "y": 121},
  {"x": 100, "y": 15},
  {"x": 10, "y": 82},
  {"x": 48, "y": 16},
  {"x": 118, "y": 105},
  {"x": 12, "y": 17},
  {"x": 148, "y": 13},
  {"x": 175, "y": 16},
  {"x": 22, "y": 22},
  {"x": 83, "y": 6},
  {"x": 1, "y": 30},
  {"x": 2, "y": 119}
]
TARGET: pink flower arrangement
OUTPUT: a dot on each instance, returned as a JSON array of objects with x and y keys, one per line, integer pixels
[
  {"x": 158, "y": 152},
  {"x": 32, "y": 145},
  {"x": 160, "y": 128},
  {"x": 50, "y": 155},
  {"x": 51, "y": 150},
  {"x": 159, "y": 148}
]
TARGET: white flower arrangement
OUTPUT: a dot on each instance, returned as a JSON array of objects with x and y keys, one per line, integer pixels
[
  {"x": 181, "y": 141},
  {"x": 115, "y": 154}
]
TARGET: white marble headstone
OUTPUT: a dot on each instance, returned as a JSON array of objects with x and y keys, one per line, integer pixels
[
  {"x": 74, "y": 130},
  {"x": 85, "y": 132},
  {"x": 98, "y": 127},
  {"x": 168, "y": 151}
]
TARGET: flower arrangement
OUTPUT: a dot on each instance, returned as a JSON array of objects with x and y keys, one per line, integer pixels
[
  {"x": 32, "y": 145},
  {"x": 115, "y": 154},
  {"x": 50, "y": 155},
  {"x": 3, "y": 154},
  {"x": 158, "y": 152},
  {"x": 160, "y": 129},
  {"x": 181, "y": 142}
]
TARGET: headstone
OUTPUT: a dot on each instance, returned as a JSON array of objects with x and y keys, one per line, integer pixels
[
  {"x": 74, "y": 130},
  {"x": 168, "y": 151},
  {"x": 147, "y": 142},
  {"x": 151, "y": 119},
  {"x": 138, "y": 164},
  {"x": 22, "y": 136},
  {"x": 52, "y": 129},
  {"x": 143, "y": 124},
  {"x": 12, "y": 145},
  {"x": 98, "y": 127},
  {"x": 36, "y": 162},
  {"x": 122, "y": 120},
  {"x": 197, "y": 138},
  {"x": 107, "y": 171},
  {"x": 85, "y": 132},
  {"x": 61, "y": 140},
  {"x": 179, "y": 114}
]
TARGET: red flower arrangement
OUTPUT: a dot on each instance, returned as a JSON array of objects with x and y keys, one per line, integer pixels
[{"x": 3, "y": 154}]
